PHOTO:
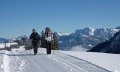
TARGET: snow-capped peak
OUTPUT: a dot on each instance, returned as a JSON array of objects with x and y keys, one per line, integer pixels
[
  {"x": 91, "y": 31},
  {"x": 115, "y": 30},
  {"x": 61, "y": 33}
]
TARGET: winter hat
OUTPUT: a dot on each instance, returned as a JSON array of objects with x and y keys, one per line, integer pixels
[
  {"x": 47, "y": 29},
  {"x": 34, "y": 30}
]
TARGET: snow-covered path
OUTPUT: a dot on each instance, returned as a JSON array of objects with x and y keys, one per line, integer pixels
[
  {"x": 25, "y": 61},
  {"x": 40, "y": 63},
  {"x": 82, "y": 64}
]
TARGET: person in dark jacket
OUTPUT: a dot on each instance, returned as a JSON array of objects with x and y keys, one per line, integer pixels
[{"x": 35, "y": 37}]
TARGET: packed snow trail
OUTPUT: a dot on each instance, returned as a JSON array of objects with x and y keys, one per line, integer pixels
[
  {"x": 46, "y": 63},
  {"x": 82, "y": 64},
  {"x": 25, "y": 61}
]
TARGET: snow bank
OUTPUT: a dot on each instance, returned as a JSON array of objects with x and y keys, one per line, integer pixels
[
  {"x": 12, "y": 63},
  {"x": 22, "y": 48},
  {"x": 2, "y": 45},
  {"x": 108, "y": 61},
  {"x": 8, "y": 44}
]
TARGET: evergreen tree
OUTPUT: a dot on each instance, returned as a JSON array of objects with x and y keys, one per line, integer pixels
[
  {"x": 43, "y": 39},
  {"x": 55, "y": 45}
]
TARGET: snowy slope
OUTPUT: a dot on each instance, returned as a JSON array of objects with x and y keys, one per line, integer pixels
[
  {"x": 2, "y": 45},
  {"x": 110, "y": 46},
  {"x": 25, "y": 61},
  {"x": 107, "y": 61}
]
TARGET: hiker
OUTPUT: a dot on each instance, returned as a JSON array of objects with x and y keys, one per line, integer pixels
[
  {"x": 35, "y": 37},
  {"x": 48, "y": 38}
]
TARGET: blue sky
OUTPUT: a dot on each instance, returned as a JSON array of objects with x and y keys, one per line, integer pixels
[{"x": 18, "y": 17}]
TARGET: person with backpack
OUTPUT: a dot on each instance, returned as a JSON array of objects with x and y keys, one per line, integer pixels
[
  {"x": 35, "y": 37},
  {"x": 48, "y": 38}
]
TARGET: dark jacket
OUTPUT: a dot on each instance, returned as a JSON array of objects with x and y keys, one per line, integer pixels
[{"x": 35, "y": 37}]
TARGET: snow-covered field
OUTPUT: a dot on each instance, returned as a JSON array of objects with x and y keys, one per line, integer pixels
[
  {"x": 19, "y": 60},
  {"x": 108, "y": 61},
  {"x": 78, "y": 48},
  {"x": 2, "y": 45}
]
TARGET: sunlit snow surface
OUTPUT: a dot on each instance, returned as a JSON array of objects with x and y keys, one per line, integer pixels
[
  {"x": 19, "y": 60},
  {"x": 107, "y": 61}
]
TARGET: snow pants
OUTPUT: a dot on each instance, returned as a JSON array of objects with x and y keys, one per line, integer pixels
[
  {"x": 48, "y": 46},
  {"x": 35, "y": 49}
]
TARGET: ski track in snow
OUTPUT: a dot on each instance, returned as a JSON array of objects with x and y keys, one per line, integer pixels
[
  {"x": 65, "y": 65},
  {"x": 49, "y": 63}
]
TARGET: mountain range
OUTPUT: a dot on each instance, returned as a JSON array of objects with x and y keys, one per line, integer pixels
[
  {"x": 86, "y": 38},
  {"x": 110, "y": 46},
  {"x": 3, "y": 40}
]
